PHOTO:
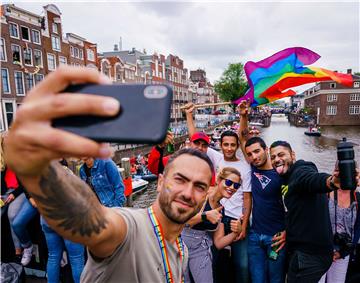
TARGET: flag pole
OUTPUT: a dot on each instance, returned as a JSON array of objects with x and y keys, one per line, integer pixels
[{"x": 207, "y": 104}]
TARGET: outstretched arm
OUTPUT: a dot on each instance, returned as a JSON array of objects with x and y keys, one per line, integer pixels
[
  {"x": 243, "y": 109},
  {"x": 189, "y": 118},
  {"x": 67, "y": 203}
]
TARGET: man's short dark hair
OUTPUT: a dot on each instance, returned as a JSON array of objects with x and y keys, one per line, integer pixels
[
  {"x": 254, "y": 140},
  {"x": 192, "y": 152},
  {"x": 281, "y": 143},
  {"x": 229, "y": 133}
]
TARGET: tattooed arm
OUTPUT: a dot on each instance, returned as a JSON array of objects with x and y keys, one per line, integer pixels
[{"x": 67, "y": 203}]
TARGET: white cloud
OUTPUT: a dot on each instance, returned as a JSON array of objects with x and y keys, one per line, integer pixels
[{"x": 211, "y": 35}]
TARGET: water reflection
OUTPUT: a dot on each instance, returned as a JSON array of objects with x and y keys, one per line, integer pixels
[{"x": 320, "y": 150}]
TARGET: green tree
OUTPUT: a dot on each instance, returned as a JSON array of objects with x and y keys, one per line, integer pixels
[
  {"x": 232, "y": 83},
  {"x": 357, "y": 73}
]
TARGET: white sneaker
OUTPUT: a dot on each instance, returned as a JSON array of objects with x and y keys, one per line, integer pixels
[{"x": 27, "y": 255}]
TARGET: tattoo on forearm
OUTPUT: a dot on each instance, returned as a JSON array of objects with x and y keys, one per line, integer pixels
[{"x": 67, "y": 200}]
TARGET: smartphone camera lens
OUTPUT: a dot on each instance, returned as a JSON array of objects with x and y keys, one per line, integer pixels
[{"x": 155, "y": 92}]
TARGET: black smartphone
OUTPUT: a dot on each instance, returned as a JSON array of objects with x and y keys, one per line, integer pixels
[{"x": 143, "y": 118}]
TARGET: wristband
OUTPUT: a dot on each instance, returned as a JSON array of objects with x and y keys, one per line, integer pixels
[
  {"x": 333, "y": 187},
  {"x": 203, "y": 216}
]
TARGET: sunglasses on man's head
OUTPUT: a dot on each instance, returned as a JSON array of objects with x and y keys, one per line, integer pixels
[{"x": 229, "y": 183}]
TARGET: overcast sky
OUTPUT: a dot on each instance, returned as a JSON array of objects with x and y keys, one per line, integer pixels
[{"x": 211, "y": 35}]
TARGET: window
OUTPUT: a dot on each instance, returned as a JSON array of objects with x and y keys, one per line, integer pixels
[
  {"x": 332, "y": 85},
  {"x": 16, "y": 54},
  {"x": 354, "y": 109},
  {"x": 90, "y": 55},
  {"x": 14, "y": 30},
  {"x": 331, "y": 97},
  {"x": 51, "y": 61},
  {"x": 2, "y": 50},
  {"x": 331, "y": 110},
  {"x": 356, "y": 84},
  {"x": 38, "y": 78},
  {"x": 29, "y": 81},
  {"x": 35, "y": 34},
  {"x": 62, "y": 60},
  {"x": 72, "y": 51},
  {"x": 5, "y": 80},
  {"x": 25, "y": 33},
  {"x": 19, "y": 83},
  {"x": 55, "y": 43},
  {"x": 9, "y": 112},
  {"x": 38, "y": 58},
  {"x": 28, "y": 57},
  {"x": 355, "y": 97},
  {"x": 55, "y": 28},
  {"x": 81, "y": 54},
  {"x": 76, "y": 52}
]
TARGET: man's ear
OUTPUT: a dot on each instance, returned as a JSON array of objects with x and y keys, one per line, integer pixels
[
  {"x": 293, "y": 156},
  {"x": 160, "y": 182}
]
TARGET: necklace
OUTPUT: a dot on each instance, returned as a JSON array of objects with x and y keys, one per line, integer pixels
[{"x": 162, "y": 245}]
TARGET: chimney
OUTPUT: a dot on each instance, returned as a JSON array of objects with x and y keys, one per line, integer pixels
[
  {"x": 116, "y": 47},
  {"x": 349, "y": 71}
]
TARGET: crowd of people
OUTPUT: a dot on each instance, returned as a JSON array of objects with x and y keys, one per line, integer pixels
[{"x": 250, "y": 213}]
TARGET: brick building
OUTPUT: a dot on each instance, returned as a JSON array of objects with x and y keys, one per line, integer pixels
[
  {"x": 32, "y": 46},
  {"x": 335, "y": 104}
]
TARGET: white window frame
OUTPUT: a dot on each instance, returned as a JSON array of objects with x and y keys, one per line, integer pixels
[
  {"x": 355, "y": 97},
  {"x": 56, "y": 29},
  {"x": 33, "y": 81},
  {"x": 90, "y": 54},
  {"x": 356, "y": 84},
  {"x": 54, "y": 39},
  {"x": 32, "y": 37},
  {"x": 4, "y": 46},
  {"x": 331, "y": 97},
  {"x": 23, "y": 84},
  {"x": 331, "y": 110},
  {"x": 37, "y": 75},
  {"x": 62, "y": 63},
  {"x": 17, "y": 28},
  {"x": 13, "y": 102},
  {"x": 8, "y": 81},
  {"x": 71, "y": 51},
  {"x": 76, "y": 55},
  {"x": 20, "y": 53},
  {"x": 42, "y": 62},
  {"x": 29, "y": 34},
  {"x": 47, "y": 58},
  {"x": 31, "y": 56},
  {"x": 354, "y": 109},
  {"x": 81, "y": 54}
]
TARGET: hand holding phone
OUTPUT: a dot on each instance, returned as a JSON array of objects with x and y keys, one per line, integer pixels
[{"x": 144, "y": 114}]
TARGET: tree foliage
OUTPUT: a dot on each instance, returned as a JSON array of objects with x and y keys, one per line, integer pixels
[{"x": 232, "y": 83}]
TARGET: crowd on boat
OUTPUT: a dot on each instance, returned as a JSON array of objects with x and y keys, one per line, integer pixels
[{"x": 251, "y": 212}]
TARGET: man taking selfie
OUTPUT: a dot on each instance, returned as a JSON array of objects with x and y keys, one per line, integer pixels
[{"x": 124, "y": 244}]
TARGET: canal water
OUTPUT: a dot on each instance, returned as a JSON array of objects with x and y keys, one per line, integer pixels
[{"x": 320, "y": 150}]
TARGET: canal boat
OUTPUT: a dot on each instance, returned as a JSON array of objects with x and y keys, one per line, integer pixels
[
  {"x": 139, "y": 185},
  {"x": 313, "y": 132}
]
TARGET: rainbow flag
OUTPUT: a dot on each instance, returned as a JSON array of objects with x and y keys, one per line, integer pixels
[{"x": 271, "y": 79}]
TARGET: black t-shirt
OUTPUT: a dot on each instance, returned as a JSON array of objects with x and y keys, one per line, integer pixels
[{"x": 308, "y": 227}]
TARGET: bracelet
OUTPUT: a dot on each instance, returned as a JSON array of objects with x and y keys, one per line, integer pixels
[{"x": 203, "y": 216}]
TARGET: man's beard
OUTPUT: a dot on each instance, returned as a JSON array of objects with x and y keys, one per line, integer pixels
[{"x": 176, "y": 215}]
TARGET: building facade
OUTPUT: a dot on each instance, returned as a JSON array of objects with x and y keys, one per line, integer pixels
[
  {"x": 335, "y": 104},
  {"x": 31, "y": 47}
]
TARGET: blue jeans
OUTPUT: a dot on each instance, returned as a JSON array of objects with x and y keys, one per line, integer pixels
[
  {"x": 239, "y": 258},
  {"x": 56, "y": 245},
  {"x": 25, "y": 214},
  {"x": 263, "y": 269}
]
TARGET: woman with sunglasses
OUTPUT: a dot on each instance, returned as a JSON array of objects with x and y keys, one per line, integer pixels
[{"x": 206, "y": 229}]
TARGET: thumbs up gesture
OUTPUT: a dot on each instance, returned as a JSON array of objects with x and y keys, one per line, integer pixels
[{"x": 214, "y": 215}]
